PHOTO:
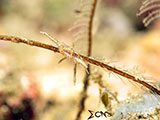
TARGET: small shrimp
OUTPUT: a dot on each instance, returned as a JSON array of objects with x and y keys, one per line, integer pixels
[{"x": 66, "y": 50}]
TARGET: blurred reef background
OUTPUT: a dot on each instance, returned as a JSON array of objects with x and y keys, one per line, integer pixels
[{"x": 33, "y": 86}]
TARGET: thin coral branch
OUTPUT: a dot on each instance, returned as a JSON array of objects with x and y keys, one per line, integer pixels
[
  {"x": 90, "y": 27},
  {"x": 84, "y": 58},
  {"x": 86, "y": 80},
  {"x": 28, "y": 42}
]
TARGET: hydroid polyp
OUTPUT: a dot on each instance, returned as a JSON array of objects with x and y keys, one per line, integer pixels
[{"x": 149, "y": 11}]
